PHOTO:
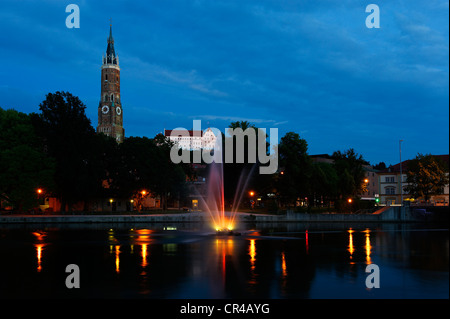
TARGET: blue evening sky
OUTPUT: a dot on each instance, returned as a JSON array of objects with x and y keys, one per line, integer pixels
[{"x": 312, "y": 67}]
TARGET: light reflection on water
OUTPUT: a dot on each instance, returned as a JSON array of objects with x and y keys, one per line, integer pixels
[
  {"x": 39, "y": 245},
  {"x": 368, "y": 247},
  {"x": 39, "y": 248},
  {"x": 351, "y": 249},
  {"x": 273, "y": 263}
]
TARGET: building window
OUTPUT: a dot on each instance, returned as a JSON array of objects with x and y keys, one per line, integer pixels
[
  {"x": 390, "y": 179},
  {"x": 390, "y": 190}
]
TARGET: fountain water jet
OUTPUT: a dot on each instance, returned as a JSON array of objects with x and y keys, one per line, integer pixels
[{"x": 214, "y": 202}]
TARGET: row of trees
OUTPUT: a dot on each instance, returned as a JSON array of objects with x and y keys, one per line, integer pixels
[
  {"x": 426, "y": 176},
  {"x": 298, "y": 176},
  {"x": 59, "y": 151},
  {"x": 301, "y": 178}
]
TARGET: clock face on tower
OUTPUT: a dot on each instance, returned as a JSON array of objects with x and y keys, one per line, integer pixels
[
  {"x": 105, "y": 109},
  {"x": 118, "y": 110}
]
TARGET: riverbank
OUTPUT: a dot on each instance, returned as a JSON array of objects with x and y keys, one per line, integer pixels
[
  {"x": 385, "y": 214},
  {"x": 104, "y": 218}
]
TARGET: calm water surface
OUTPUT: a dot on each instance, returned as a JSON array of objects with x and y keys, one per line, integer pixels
[{"x": 185, "y": 261}]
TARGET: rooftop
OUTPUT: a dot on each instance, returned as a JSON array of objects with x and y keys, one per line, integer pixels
[{"x": 396, "y": 168}]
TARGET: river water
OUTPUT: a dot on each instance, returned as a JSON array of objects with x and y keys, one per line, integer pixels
[{"x": 188, "y": 261}]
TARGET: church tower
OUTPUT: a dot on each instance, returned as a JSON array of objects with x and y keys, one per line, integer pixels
[{"x": 110, "y": 115}]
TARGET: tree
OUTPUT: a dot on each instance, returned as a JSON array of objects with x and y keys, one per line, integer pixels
[
  {"x": 241, "y": 176},
  {"x": 24, "y": 167},
  {"x": 426, "y": 176},
  {"x": 108, "y": 163},
  {"x": 71, "y": 140},
  {"x": 241, "y": 124},
  {"x": 349, "y": 168},
  {"x": 170, "y": 177},
  {"x": 380, "y": 166},
  {"x": 138, "y": 166},
  {"x": 145, "y": 164},
  {"x": 296, "y": 167},
  {"x": 324, "y": 182}
]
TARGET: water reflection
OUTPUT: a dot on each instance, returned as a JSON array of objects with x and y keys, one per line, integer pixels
[
  {"x": 224, "y": 248},
  {"x": 111, "y": 238},
  {"x": 252, "y": 281},
  {"x": 144, "y": 255},
  {"x": 368, "y": 247},
  {"x": 143, "y": 238},
  {"x": 40, "y": 236},
  {"x": 351, "y": 248},
  {"x": 39, "y": 248},
  {"x": 306, "y": 241},
  {"x": 140, "y": 237},
  {"x": 252, "y": 253},
  {"x": 170, "y": 249},
  {"x": 157, "y": 263},
  {"x": 283, "y": 265},
  {"x": 117, "y": 258}
]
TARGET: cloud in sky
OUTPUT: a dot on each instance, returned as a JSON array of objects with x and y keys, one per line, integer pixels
[{"x": 306, "y": 66}]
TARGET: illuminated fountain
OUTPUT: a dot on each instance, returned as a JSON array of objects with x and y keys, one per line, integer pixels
[{"x": 224, "y": 222}]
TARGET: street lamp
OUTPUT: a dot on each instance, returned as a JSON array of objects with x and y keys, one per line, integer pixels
[
  {"x": 252, "y": 202},
  {"x": 39, "y": 192}
]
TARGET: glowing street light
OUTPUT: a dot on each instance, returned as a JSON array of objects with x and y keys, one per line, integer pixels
[
  {"x": 350, "y": 200},
  {"x": 39, "y": 191},
  {"x": 366, "y": 181},
  {"x": 144, "y": 192},
  {"x": 251, "y": 193}
]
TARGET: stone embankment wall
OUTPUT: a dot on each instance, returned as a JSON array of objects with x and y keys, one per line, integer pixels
[{"x": 385, "y": 214}]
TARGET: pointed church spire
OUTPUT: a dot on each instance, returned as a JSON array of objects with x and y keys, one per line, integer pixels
[
  {"x": 111, "y": 57},
  {"x": 110, "y": 39}
]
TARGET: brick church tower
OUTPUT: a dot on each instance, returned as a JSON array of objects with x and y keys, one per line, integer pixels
[{"x": 110, "y": 114}]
